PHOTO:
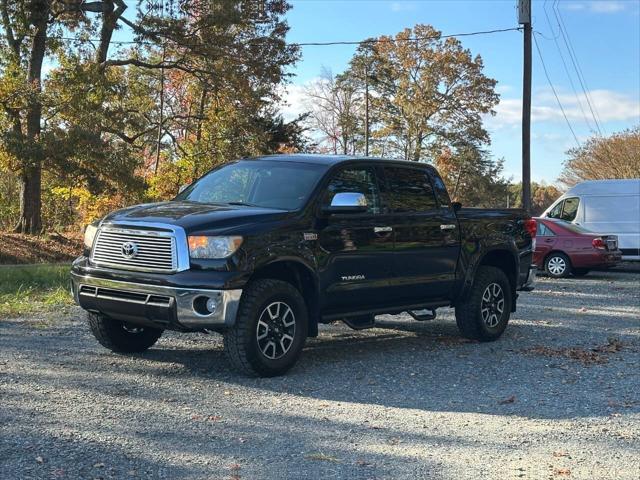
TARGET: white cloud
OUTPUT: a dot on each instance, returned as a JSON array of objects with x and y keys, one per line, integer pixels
[
  {"x": 603, "y": 6},
  {"x": 609, "y": 106},
  {"x": 402, "y": 6},
  {"x": 293, "y": 101}
]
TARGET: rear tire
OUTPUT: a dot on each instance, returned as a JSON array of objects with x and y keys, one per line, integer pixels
[
  {"x": 580, "y": 272},
  {"x": 485, "y": 313},
  {"x": 557, "y": 265},
  {"x": 270, "y": 329},
  {"x": 118, "y": 336}
]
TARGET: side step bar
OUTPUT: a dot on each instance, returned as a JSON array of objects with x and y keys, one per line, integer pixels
[{"x": 422, "y": 317}]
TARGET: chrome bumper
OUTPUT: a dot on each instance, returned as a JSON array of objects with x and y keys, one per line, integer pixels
[{"x": 154, "y": 304}]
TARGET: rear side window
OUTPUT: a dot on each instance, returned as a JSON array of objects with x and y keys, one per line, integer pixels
[
  {"x": 441, "y": 191},
  {"x": 409, "y": 190},
  {"x": 544, "y": 231}
]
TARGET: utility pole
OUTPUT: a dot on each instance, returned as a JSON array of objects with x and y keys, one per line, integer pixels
[
  {"x": 366, "y": 109},
  {"x": 524, "y": 18}
]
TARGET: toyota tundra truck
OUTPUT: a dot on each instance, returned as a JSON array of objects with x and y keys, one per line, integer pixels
[{"x": 263, "y": 250}]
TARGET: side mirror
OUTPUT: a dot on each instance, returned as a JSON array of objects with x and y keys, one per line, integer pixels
[
  {"x": 183, "y": 188},
  {"x": 347, "y": 202},
  {"x": 456, "y": 206}
]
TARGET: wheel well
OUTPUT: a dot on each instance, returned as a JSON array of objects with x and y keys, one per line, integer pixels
[
  {"x": 503, "y": 259},
  {"x": 302, "y": 279},
  {"x": 544, "y": 262}
]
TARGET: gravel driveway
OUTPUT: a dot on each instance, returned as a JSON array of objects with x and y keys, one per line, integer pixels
[{"x": 557, "y": 397}]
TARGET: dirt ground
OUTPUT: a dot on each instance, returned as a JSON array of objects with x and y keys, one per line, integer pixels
[{"x": 52, "y": 248}]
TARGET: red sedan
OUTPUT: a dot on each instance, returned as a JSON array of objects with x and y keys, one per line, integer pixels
[{"x": 563, "y": 248}]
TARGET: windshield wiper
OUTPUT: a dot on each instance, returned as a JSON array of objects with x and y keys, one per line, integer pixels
[{"x": 243, "y": 204}]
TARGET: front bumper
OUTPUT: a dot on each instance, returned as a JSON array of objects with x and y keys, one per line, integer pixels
[{"x": 155, "y": 305}]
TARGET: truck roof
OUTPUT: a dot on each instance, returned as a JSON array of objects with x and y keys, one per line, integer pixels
[{"x": 322, "y": 159}]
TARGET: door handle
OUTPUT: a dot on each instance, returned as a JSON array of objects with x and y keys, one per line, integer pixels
[
  {"x": 382, "y": 229},
  {"x": 449, "y": 226}
]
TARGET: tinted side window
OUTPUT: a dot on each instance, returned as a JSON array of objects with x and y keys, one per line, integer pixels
[
  {"x": 410, "y": 190},
  {"x": 570, "y": 209},
  {"x": 355, "y": 180}
]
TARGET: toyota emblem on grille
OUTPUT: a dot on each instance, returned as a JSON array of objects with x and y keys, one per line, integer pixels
[{"x": 129, "y": 250}]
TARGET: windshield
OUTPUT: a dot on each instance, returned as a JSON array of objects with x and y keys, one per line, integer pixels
[{"x": 260, "y": 183}]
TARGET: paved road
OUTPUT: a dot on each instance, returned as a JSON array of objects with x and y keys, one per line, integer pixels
[{"x": 557, "y": 397}]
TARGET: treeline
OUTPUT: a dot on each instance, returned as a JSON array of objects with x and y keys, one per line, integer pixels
[{"x": 88, "y": 124}]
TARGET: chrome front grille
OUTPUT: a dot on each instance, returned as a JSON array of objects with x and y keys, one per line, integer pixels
[{"x": 143, "y": 250}]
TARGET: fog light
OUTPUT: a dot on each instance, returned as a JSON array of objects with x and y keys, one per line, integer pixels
[
  {"x": 211, "y": 305},
  {"x": 205, "y": 306}
]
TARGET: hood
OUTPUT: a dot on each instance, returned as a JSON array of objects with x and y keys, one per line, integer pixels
[{"x": 196, "y": 217}]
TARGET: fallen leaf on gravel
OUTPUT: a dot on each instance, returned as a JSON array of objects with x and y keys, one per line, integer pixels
[
  {"x": 214, "y": 418},
  {"x": 98, "y": 465},
  {"x": 560, "y": 453},
  {"x": 562, "y": 472},
  {"x": 594, "y": 356},
  {"x": 450, "y": 340},
  {"x": 582, "y": 310},
  {"x": 321, "y": 457},
  {"x": 227, "y": 392},
  {"x": 613, "y": 345},
  {"x": 510, "y": 399},
  {"x": 39, "y": 459}
]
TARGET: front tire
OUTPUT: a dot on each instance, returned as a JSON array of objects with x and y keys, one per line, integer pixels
[
  {"x": 270, "y": 329},
  {"x": 118, "y": 336},
  {"x": 557, "y": 265},
  {"x": 485, "y": 313}
]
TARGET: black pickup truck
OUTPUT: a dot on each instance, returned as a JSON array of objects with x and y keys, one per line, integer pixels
[{"x": 262, "y": 250}]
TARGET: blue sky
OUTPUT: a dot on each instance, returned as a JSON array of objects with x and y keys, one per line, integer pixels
[{"x": 605, "y": 36}]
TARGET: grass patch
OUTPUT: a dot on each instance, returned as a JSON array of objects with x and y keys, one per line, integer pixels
[{"x": 26, "y": 289}]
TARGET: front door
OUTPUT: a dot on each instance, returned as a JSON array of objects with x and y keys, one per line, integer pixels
[
  {"x": 355, "y": 250},
  {"x": 427, "y": 237}
]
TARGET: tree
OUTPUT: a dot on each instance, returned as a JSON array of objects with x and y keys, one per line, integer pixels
[
  {"x": 542, "y": 195},
  {"x": 601, "y": 158},
  {"x": 103, "y": 113},
  {"x": 427, "y": 92},
  {"x": 336, "y": 111},
  {"x": 473, "y": 177}
]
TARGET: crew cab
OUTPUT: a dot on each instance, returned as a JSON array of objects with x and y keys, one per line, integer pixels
[{"x": 263, "y": 250}]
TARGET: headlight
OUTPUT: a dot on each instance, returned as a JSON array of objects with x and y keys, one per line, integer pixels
[
  {"x": 89, "y": 234},
  {"x": 213, "y": 247}
]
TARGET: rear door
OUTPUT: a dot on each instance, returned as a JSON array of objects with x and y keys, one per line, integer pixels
[
  {"x": 426, "y": 235},
  {"x": 356, "y": 250},
  {"x": 545, "y": 240}
]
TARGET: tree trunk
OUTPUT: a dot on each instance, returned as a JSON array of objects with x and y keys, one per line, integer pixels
[
  {"x": 31, "y": 176},
  {"x": 30, "y": 201}
]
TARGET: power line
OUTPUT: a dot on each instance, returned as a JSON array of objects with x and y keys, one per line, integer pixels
[
  {"x": 544, "y": 67},
  {"x": 574, "y": 61},
  {"x": 564, "y": 63},
  {"x": 309, "y": 44},
  {"x": 408, "y": 39}
]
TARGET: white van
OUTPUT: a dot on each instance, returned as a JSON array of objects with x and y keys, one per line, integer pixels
[{"x": 604, "y": 206}]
